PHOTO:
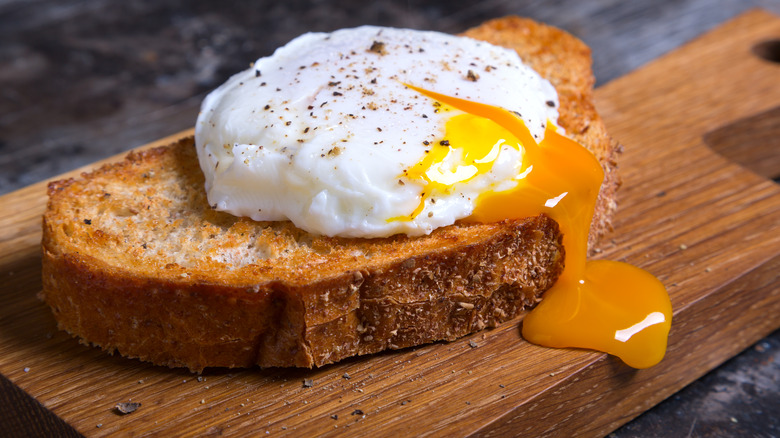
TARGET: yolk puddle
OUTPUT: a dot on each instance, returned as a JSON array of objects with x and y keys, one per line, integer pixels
[{"x": 602, "y": 305}]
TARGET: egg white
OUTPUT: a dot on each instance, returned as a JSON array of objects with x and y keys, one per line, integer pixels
[{"x": 321, "y": 132}]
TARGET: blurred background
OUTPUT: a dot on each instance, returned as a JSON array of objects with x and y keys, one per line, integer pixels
[{"x": 85, "y": 80}]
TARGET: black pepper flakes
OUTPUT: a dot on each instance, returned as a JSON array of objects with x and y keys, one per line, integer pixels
[
  {"x": 473, "y": 77},
  {"x": 444, "y": 142},
  {"x": 378, "y": 47},
  {"x": 550, "y": 103},
  {"x": 88, "y": 221},
  {"x": 257, "y": 73},
  {"x": 336, "y": 93}
]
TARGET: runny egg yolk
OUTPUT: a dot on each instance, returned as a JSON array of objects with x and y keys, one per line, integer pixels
[{"x": 602, "y": 305}]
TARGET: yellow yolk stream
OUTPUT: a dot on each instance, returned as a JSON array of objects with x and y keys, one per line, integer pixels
[{"x": 602, "y": 305}]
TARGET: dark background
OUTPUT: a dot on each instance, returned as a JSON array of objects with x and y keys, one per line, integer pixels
[{"x": 84, "y": 80}]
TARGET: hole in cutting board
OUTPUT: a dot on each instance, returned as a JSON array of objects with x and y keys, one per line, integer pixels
[
  {"x": 752, "y": 142},
  {"x": 768, "y": 50}
]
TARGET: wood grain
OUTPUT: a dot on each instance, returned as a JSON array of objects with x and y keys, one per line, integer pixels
[
  {"x": 27, "y": 417},
  {"x": 752, "y": 142},
  {"x": 707, "y": 227}
]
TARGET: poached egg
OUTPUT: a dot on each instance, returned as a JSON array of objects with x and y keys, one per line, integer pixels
[{"x": 332, "y": 133}]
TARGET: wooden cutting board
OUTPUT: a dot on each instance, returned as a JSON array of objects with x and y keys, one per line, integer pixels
[{"x": 708, "y": 227}]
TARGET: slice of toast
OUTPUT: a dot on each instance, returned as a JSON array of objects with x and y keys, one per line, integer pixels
[{"x": 135, "y": 260}]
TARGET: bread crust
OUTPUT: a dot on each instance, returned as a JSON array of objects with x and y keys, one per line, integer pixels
[{"x": 135, "y": 261}]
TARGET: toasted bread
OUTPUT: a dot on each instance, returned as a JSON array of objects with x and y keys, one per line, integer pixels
[{"x": 135, "y": 260}]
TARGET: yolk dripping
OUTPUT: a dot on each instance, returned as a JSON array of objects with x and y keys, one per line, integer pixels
[
  {"x": 471, "y": 147},
  {"x": 599, "y": 304}
]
